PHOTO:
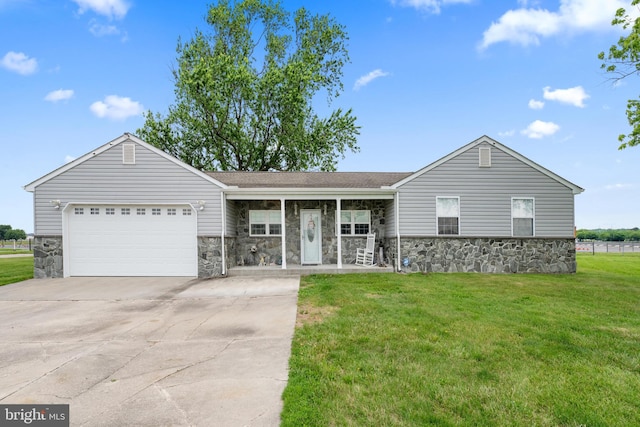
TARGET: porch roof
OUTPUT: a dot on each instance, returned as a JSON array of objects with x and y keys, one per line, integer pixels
[{"x": 309, "y": 180}]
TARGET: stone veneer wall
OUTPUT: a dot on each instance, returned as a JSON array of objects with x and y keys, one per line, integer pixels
[
  {"x": 47, "y": 257},
  {"x": 486, "y": 255},
  {"x": 209, "y": 256},
  {"x": 270, "y": 248}
]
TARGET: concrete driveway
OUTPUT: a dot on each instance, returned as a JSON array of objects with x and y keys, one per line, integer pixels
[{"x": 149, "y": 351}]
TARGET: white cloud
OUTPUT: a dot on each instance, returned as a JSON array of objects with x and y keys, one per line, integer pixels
[
  {"x": 68, "y": 158},
  {"x": 432, "y": 6},
  {"x": 574, "y": 95},
  {"x": 618, "y": 186},
  {"x": 534, "y": 104},
  {"x": 59, "y": 95},
  {"x": 116, "y": 108},
  {"x": 507, "y": 133},
  {"x": 109, "y": 8},
  {"x": 368, "y": 78},
  {"x": 540, "y": 129},
  {"x": 525, "y": 26},
  {"x": 19, "y": 63},
  {"x": 100, "y": 30}
]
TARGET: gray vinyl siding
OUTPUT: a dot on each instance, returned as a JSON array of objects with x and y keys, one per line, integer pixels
[
  {"x": 104, "y": 179},
  {"x": 390, "y": 219},
  {"x": 485, "y": 197},
  {"x": 232, "y": 218}
]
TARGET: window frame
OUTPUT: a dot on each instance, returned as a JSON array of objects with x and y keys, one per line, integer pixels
[
  {"x": 267, "y": 222},
  {"x": 439, "y": 216},
  {"x": 533, "y": 215},
  {"x": 352, "y": 224}
]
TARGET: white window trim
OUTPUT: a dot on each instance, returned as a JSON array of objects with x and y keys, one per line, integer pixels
[
  {"x": 459, "y": 216},
  {"x": 534, "y": 214},
  {"x": 266, "y": 223},
  {"x": 353, "y": 223}
]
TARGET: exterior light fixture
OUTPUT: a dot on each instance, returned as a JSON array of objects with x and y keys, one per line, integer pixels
[
  {"x": 201, "y": 204},
  {"x": 55, "y": 204}
]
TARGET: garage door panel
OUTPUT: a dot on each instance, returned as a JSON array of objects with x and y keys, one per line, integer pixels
[{"x": 132, "y": 245}]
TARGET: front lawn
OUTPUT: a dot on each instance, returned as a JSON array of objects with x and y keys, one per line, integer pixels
[
  {"x": 14, "y": 270},
  {"x": 469, "y": 349}
]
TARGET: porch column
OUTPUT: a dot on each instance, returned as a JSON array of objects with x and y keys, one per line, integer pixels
[
  {"x": 397, "y": 209},
  {"x": 339, "y": 222},
  {"x": 283, "y": 227},
  {"x": 223, "y": 213}
]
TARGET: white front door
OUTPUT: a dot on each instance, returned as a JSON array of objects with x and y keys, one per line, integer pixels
[{"x": 311, "y": 236}]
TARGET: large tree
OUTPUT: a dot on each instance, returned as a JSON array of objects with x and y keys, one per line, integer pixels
[
  {"x": 623, "y": 60},
  {"x": 245, "y": 92}
]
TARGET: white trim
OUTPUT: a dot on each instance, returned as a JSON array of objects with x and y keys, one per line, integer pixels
[
  {"x": 533, "y": 225},
  {"x": 223, "y": 209},
  {"x": 397, "y": 209},
  {"x": 459, "y": 216},
  {"x": 485, "y": 139},
  {"x": 352, "y": 223},
  {"x": 125, "y": 137},
  {"x": 339, "y": 220},
  {"x": 308, "y": 193},
  {"x": 283, "y": 234},
  {"x": 267, "y": 231}
]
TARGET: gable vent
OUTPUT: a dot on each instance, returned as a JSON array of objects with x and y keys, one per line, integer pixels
[
  {"x": 128, "y": 154},
  {"x": 485, "y": 157}
]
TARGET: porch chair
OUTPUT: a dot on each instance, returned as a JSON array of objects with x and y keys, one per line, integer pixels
[{"x": 364, "y": 256}]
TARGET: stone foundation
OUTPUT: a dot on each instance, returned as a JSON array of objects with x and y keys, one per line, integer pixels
[
  {"x": 209, "y": 256},
  {"x": 47, "y": 257},
  {"x": 486, "y": 255}
]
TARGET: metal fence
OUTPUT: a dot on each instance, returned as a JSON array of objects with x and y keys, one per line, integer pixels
[{"x": 607, "y": 247}]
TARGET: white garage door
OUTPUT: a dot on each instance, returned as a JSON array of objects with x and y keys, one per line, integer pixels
[{"x": 114, "y": 240}]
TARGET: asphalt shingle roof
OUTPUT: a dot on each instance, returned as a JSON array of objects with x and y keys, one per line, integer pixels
[{"x": 243, "y": 179}]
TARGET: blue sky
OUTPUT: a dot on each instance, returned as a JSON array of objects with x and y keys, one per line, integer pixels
[{"x": 426, "y": 77}]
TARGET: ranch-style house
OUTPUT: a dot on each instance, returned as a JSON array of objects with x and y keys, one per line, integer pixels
[{"x": 130, "y": 209}]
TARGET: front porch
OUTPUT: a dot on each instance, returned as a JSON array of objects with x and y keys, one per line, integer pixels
[{"x": 304, "y": 270}]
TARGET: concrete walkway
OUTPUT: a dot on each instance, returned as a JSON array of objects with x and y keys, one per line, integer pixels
[{"x": 149, "y": 351}]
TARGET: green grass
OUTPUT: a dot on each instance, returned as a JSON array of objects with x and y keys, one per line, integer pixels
[
  {"x": 11, "y": 251},
  {"x": 14, "y": 270},
  {"x": 469, "y": 349}
]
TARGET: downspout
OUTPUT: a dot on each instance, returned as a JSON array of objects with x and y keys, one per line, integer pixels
[
  {"x": 397, "y": 207},
  {"x": 339, "y": 221},
  {"x": 283, "y": 227},
  {"x": 223, "y": 207}
]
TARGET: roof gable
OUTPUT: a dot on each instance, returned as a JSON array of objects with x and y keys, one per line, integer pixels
[
  {"x": 126, "y": 137},
  {"x": 485, "y": 139}
]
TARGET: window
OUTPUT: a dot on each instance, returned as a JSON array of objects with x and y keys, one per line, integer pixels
[
  {"x": 171, "y": 211},
  {"x": 448, "y": 215},
  {"x": 354, "y": 223},
  {"x": 125, "y": 211},
  {"x": 155, "y": 211},
  {"x": 141, "y": 211},
  {"x": 79, "y": 211},
  {"x": 186, "y": 212},
  {"x": 522, "y": 216},
  {"x": 110, "y": 211},
  {"x": 95, "y": 211},
  {"x": 265, "y": 223}
]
